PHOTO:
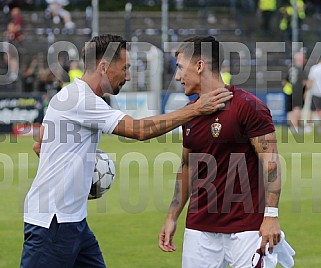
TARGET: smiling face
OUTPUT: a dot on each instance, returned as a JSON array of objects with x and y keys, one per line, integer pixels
[
  {"x": 188, "y": 74},
  {"x": 116, "y": 74}
]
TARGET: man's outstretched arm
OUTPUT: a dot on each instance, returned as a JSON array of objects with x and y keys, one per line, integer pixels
[{"x": 150, "y": 127}]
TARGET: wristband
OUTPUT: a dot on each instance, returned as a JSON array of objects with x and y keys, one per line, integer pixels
[{"x": 271, "y": 212}]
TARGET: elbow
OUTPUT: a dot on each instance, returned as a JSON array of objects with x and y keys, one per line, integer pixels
[
  {"x": 139, "y": 135},
  {"x": 142, "y": 137}
]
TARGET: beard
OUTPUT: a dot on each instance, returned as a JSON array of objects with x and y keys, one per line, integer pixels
[{"x": 112, "y": 90}]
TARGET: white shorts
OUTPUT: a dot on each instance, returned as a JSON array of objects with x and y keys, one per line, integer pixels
[{"x": 217, "y": 250}]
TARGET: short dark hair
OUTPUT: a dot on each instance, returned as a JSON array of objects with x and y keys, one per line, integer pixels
[
  {"x": 106, "y": 46},
  {"x": 204, "y": 46}
]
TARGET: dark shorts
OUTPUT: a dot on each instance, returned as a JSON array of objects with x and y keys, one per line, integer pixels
[
  {"x": 288, "y": 103},
  {"x": 63, "y": 245},
  {"x": 315, "y": 103}
]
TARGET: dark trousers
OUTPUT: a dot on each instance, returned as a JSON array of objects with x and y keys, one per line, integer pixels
[{"x": 63, "y": 245}]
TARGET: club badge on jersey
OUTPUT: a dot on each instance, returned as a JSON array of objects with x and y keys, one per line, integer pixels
[{"x": 216, "y": 128}]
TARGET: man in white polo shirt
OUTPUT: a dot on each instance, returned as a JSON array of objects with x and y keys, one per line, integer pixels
[
  {"x": 314, "y": 84},
  {"x": 56, "y": 231}
]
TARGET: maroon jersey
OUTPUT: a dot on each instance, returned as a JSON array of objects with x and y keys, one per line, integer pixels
[{"x": 227, "y": 183}]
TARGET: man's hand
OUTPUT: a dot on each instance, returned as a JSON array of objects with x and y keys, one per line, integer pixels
[
  {"x": 165, "y": 237},
  {"x": 215, "y": 100},
  {"x": 38, "y": 140},
  {"x": 36, "y": 147},
  {"x": 270, "y": 232}
]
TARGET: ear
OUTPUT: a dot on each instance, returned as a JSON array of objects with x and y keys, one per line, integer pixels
[
  {"x": 102, "y": 66},
  {"x": 200, "y": 66}
]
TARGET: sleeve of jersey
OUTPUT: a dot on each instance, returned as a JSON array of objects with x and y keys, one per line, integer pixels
[
  {"x": 255, "y": 117},
  {"x": 97, "y": 114}
]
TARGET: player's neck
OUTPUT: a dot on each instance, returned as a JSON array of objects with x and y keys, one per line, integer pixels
[{"x": 211, "y": 84}]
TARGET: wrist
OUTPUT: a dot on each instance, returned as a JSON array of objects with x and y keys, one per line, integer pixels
[
  {"x": 195, "y": 108},
  {"x": 172, "y": 216},
  {"x": 271, "y": 212}
]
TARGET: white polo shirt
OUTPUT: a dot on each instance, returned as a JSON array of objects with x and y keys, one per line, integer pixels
[
  {"x": 315, "y": 77},
  {"x": 74, "y": 122}
]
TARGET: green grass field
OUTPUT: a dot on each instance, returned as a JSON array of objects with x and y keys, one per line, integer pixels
[{"x": 127, "y": 219}]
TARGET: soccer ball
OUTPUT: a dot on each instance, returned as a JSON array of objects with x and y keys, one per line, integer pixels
[{"x": 104, "y": 175}]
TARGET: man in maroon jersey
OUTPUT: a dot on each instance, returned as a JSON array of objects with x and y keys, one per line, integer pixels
[{"x": 230, "y": 170}]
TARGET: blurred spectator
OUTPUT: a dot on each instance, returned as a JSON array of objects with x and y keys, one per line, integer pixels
[
  {"x": 301, "y": 11},
  {"x": 30, "y": 74},
  {"x": 48, "y": 81},
  {"x": 267, "y": 8},
  {"x": 74, "y": 70},
  {"x": 9, "y": 69},
  {"x": 13, "y": 45},
  {"x": 294, "y": 89},
  {"x": 286, "y": 11},
  {"x": 56, "y": 12},
  {"x": 314, "y": 85},
  {"x": 14, "y": 33}
]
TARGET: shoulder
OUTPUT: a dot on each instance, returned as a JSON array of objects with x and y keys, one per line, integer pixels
[
  {"x": 314, "y": 70},
  {"x": 252, "y": 113},
  {"x": 246, "y": 101},
  {"x": 244, "y": 96}
]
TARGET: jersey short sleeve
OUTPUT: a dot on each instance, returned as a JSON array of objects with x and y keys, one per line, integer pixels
[
  {"x": 100, "y": 115},
  {"x": 77, "y": 103},
  {"x": 254, "y": 115}
]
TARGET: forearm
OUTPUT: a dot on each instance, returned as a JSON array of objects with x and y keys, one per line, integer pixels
[
  {"x": 154, "y": 126},
  {"x": 150, "y": 127},
  {"x": 207, "y": 104},
  {"x": 273, "y": 183},
  {"x": 270, "y": 229},
  {"x": 266, "y": 149},
  {"x": 181, "y": 194},
  {"x": 308, "y": 84}
]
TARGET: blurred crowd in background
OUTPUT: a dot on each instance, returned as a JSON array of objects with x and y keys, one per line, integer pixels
[{"x": 32, "y": 74}]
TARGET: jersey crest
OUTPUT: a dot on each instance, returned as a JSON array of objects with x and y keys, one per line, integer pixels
[{"x": 216, "y": 128}]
